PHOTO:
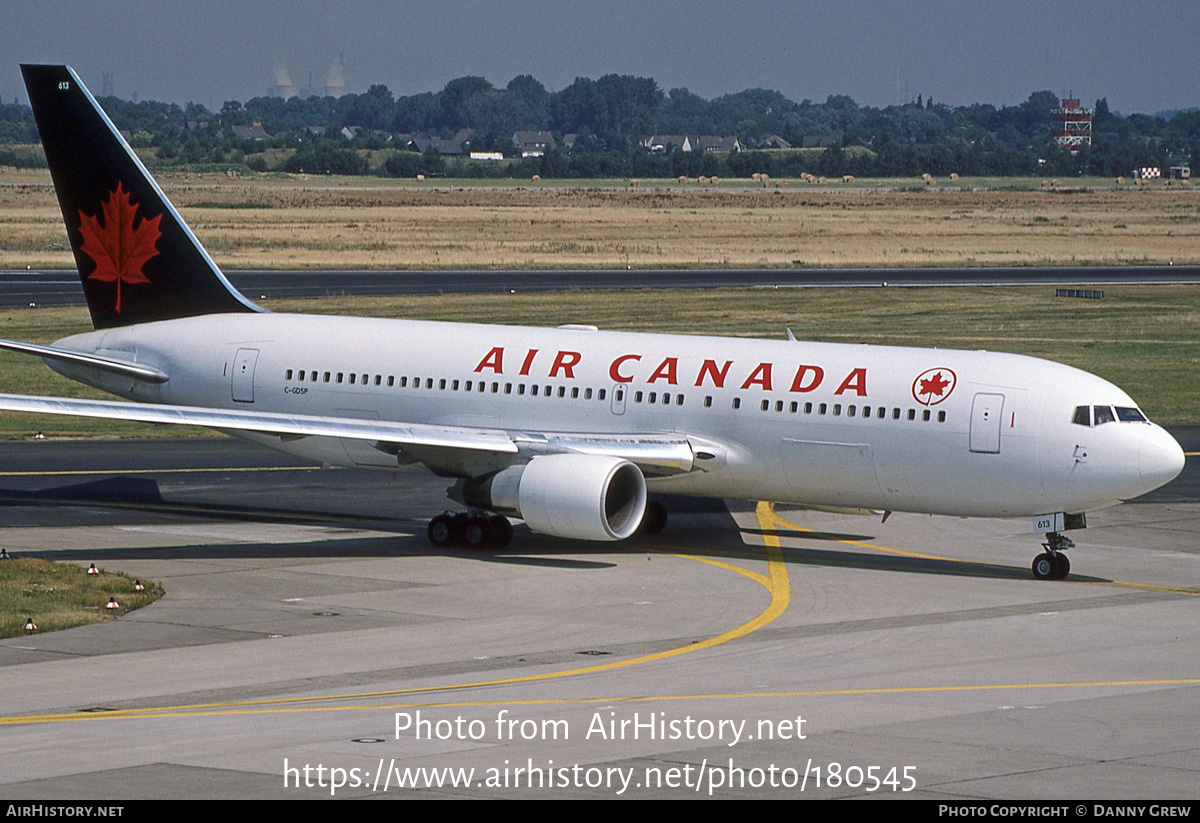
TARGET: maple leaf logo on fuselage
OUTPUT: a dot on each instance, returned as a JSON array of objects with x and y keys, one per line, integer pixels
[
  {"x": 119, "y": 241},
  {"x": 932, "y": 386}
]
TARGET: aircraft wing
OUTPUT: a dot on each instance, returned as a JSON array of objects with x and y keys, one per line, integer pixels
[{"x": 654, "y": 453}]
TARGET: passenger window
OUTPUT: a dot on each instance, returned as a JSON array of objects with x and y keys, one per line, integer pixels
[
  {"x": 1104, "y": 414},
  {"x": 941, "y": 417},
  {"x": 1083, "y": 416},
  {"x": 288, "y": 376},
  {"x": 837, "y": 409},
  {"x": 637, "y": 397},
  {"x": 391, "y": 380},
  {"x": 821, "y": 409},
  {"x": 708, "y": 401},
  {"x": 520, "y": 388},
  {"x": 574, "y": 393},
  {"x": 925, "y": 415},
  {"x": 326, "y": 377},
  {"x": 587, "y": 394},
  {"x": 808, "y": 408},
  {"x": 403, "y": 382},
  {"x": 850, "y": 411},
  {"x": 339, "y": 377},
  {"x": 766, "y": 404},
  {"x": 454, "y": 386},
  {"x": 912, "y": 414},
  {"x": 600, "y": 394},
  {"x": 653, "y": 396},
  {"x": 679, "y": 400},
  {"x": 737, "y": 402}
]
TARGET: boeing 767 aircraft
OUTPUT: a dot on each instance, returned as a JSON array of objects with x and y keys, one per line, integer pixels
[{"x": 566, "y": 428}]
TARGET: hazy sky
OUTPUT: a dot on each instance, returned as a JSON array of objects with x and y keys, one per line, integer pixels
[{"x": 1142, "y": 56}]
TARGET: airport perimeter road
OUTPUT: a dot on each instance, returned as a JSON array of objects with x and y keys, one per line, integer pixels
[
  {"x": 61, "y": 287},
  {"x": 312, "y": 643}
]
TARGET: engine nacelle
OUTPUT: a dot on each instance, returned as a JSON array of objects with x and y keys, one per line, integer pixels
[{"x": 580, "y": 496}]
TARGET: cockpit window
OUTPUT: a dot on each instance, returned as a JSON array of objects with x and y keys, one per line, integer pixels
[
  {"x": 1130, "y": 415},
  {"x": 1099, "y": 415}
]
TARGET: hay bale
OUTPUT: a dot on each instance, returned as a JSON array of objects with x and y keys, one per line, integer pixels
[
  {"x": 1054, "y": 184},
  {"x": 715, "y": 180},
  {"x": 635, "y": 183},
  {"x": 953, "y": 175},
  {"x": 702, "y": 180},
  {"x": 420, "y": 178},
  {"x": 683, "y": 178},
  {"x": 756, "y": 177},
  {"x": 1045, "y": 184},
  {"x": 1120, "y": 181},
  {"x": 821, "y": 180},
  {"x": 930, "y": 181},
  {"x": 926, "y": 176},
  {"x": 847, "y": 178},
  {"x": 537, "y": 178}
]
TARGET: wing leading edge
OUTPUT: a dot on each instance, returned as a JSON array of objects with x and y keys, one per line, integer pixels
[{"x": 656, "y": 454}]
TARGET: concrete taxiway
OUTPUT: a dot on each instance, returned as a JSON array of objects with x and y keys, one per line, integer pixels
[
  {"x": 58, "y": 287},
  {"x": 743, "y": 653}
]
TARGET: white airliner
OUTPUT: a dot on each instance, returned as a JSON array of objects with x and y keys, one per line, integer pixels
[{"x": 566, "y": 428}]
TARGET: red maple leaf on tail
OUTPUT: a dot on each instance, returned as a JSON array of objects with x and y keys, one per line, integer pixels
[{"x": 119, "y": 241}]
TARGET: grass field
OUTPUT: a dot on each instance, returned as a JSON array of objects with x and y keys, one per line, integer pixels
[
  {"x": 1144, "y": 339},
  {"x": 61, "y": 595},
  {"x": 288, "y": 222}
]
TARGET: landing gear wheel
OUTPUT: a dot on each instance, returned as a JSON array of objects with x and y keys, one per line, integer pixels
[
  {"x": 1062, "y": 566},
  {"x": 1051, "y": 566},
  {"x": 476, "y": 533},
  {"x": 655, "y": 518},
  {"x": 1044, "y": 566},
  {"x": 441, "y": 531}
]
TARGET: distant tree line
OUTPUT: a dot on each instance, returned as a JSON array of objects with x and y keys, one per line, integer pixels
[{"x": 609, "y": 117}]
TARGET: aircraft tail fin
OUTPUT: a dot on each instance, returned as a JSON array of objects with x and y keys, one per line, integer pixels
[{"x": 138, "y": 261}]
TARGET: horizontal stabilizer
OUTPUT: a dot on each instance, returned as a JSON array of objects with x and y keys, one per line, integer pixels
[{"x": 138, "y": 371}]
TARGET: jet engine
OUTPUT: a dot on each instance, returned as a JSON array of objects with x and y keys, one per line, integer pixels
[{"x": 579, "y": 496}]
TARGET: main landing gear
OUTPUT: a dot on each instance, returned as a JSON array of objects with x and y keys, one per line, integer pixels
[
  {"x": 1053, "y": 564},
  {"x": 475, "y": 531}
]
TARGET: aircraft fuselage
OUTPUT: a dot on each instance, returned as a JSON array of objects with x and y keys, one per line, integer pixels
[{"x": 943, "y": 431}]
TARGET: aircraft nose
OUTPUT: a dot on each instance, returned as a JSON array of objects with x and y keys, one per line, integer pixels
[{"x": 1160, "y": 458}]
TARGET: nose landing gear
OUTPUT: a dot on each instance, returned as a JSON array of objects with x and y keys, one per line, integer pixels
[{"x": 1053, "y": 564}]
